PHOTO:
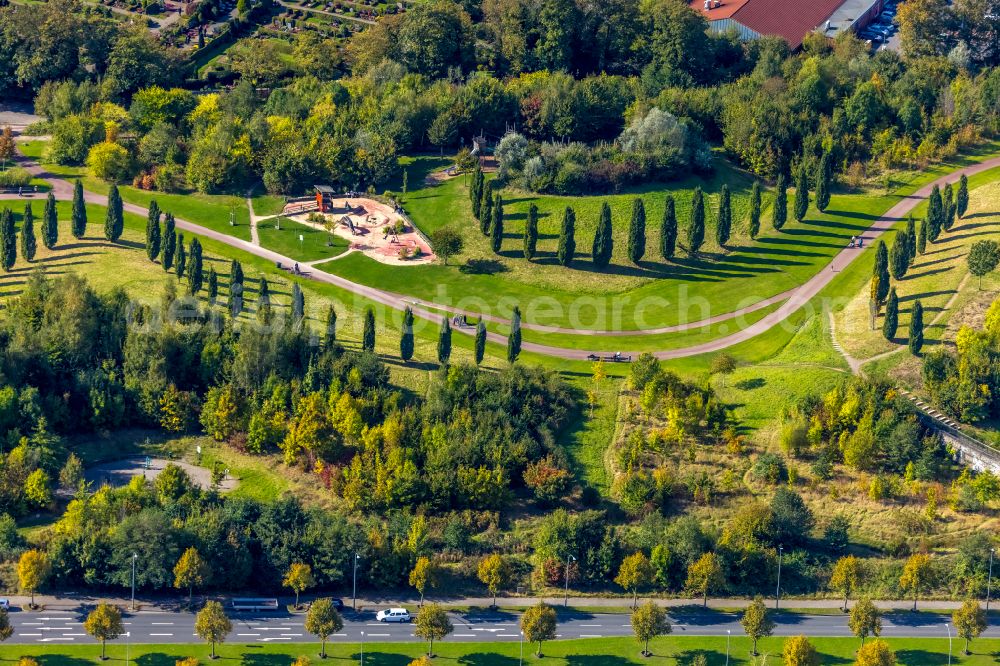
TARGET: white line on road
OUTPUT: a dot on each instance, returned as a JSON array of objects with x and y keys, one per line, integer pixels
[
  {"x": 291, "y": 634},
  {"x": 455, "y": 635},
  {"x": 29, "y": 634},
  {"x": 590, "y": 635},
  {"x": 379, "y": 635},
  {"x": 248, "y": 634},
  {"x": 590, "y": 625},
  {"x": 161, "y": 634},
  {"x": 162, "y": 624}
]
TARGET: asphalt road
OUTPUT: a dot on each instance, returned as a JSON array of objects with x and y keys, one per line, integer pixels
[{"x": 166, "y": 627}]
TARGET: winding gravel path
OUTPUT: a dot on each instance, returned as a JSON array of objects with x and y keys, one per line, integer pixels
[{"x": 791, "y": 301}]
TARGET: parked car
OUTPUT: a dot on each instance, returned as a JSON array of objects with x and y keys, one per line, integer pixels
[
  {"x": 5, "y": 604},
  {"x": 393, "y": 615},
  {"x": 338, "y": 604}
]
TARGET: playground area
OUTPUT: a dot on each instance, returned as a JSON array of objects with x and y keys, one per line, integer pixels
[
  {"x": 371, "y": 227},
  {"x": 118, "y": 473}
]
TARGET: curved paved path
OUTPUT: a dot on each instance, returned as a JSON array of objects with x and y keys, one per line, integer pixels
[{"x": 793, "y": 300}]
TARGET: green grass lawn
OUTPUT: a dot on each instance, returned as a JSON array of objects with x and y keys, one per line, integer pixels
[
  {"x": 212, "y": 211},
  {"x": 314, "y": 246},
  {"x": 268, "y": 204},
  {"x": 672, "y": 650},
  {"x": 666, "y": 292}
]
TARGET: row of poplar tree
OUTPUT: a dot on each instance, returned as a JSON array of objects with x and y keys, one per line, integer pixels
[
  {"x": 943, "y": 207},
  {"x": 487, "y": 207}
]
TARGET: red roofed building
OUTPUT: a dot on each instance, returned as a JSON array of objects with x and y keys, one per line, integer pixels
[{"x": 789, "y": 19}]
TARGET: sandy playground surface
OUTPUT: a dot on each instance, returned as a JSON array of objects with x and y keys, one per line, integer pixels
[
  {"x": 369, "y": 220},
  {"x": 119, "y": 472}
]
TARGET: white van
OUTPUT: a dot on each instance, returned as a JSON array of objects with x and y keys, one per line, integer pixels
[{"x": 393, "y": 615}]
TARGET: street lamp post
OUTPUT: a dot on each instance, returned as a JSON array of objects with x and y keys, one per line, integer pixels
[
  {"x": 989, "y": 581},
  {"x": 520, "y": 661},
  {"x": 354, "y": 591},
  {"x": 566, "y": 597},
  {"x": 729, "y": 634},
  {"x": 362, "y": 648},
  {"x": 948, "y": 627},
  {"x": 777, "y": 590},
  {"x": 134, "y": 558}
]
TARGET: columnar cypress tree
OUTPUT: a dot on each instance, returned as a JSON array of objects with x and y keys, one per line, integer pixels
[
  {"x": 724, "y": 227},
  {"x": 531, "y": 233},
  {"x": 298, "y": 304},
  {"x": 196, "y": 274},
  {"x": 496, "y": 231},
  {"x": 29, "y": 245},
  {"x": 330, "y": 332},
  {"x": 935, "y": 214},
  {"x": 755, "y": 203},
  {"x": 8, "y": 240},
  {"x": 916, "y": 340},
  {"x": 668, "y": 228},
  {"x": 235, "y": 286},
  {"x": 79, "y": 220},
  {"x": 891, "y": 321},
  {"x": 637, "y": 232},
  {"x": 696, "y": 232},
  {"x": 406, "y": 336},
  {"x": 962, "y": 201},
  {"x": 368, "y": 335},
  {"x": 180, "y": 259},
  {"x": 114, "y": 222},
  {"x": 153, "y": 231},
  {"x": 486, "y": 208},
  {"x": 480, "y": 341},
  {"x": 213, "y": 285},
  {"x": 881, "y": 271},
  {"x": 802, "y": 194},
  {"x": 823, "y": 177},
  {"x": 169, "y": 248},
  {"x": 948, "y": 208},
  {"x": 899, "y": 256},
  {"x": 603, "y": 238},
  {"x": 50, "y": 223},
  {"x": 567, "y": 238},
  {"x": 911, "y": 241},
  {"x": 514, "y": 339},
  {"x": 922, "y": 237},
  {"x": 264, "y": 301},
  {"x": 779, "y": 213},
  {"x": 444, "y": 342}
]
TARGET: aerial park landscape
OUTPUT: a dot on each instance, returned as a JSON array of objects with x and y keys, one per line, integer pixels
[{"x": 497, "y": 332}]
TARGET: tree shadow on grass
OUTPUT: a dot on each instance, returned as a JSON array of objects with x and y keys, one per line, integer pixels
[
  {"x": 482, "y": 267},
  {"x": 932, "y": 263},
  {"x": 488, "y": 659},
  {"x": 597, "y": 660},
  {"x": 973, "y": 216},
  {"x": 380, "y": 659},
  {"x": 922, "y": 657},
  {"x": 61, "y": 660},
  {"x": 927, "y": 273},
  {"x": 851, "y": 214},
  {"x": 800, "y": 244}
]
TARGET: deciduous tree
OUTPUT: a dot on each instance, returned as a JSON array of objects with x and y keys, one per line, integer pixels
[
  {"x": 539, "y": 624},
  {"x": 918, "y": 572},
  {"x": 423, "y": 575},
  {"x": 432, "y": 624},
  {"x": 846, "y": 576},
  {"x": 446, "y": 243},
  {"x": 190, "y": 571},
  {"x": 704, "y": 576},
  {"x": 105, "y": 624},
  {"x": 494, "y": 572},
  {"x": 865, "y": 619},
  {"x": 757, "y": 623},
  {"x": 32, "y": 571},
  {"x": 798, "y": 651},
  {"x": 212, "y": 625},
  {"x": 648, "y": 622},
  {"x": 634, "y": 572},
  {"x": 983, "y": 258},
  {"x": 876, "y": 653},
  {"x": 298, "y": 578},
  {"x": 323, "y": 621},
  {"x": 970, "y": 621}
]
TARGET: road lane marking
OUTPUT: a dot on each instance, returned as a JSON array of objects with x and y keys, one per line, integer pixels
[
  {"x": 590, "y": 635},
  {"x": 590, "y": 625},
  {"x": 161, "y": 634},
  {"x": 248, "y": 634},
  {"x": 291, "y": 634},
  {"x": 29, "y": 635},
  {"x": 162, "y": 624},
  {"x": 455, "y": 635},
  {"x": 379, "y": 635}
]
